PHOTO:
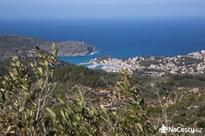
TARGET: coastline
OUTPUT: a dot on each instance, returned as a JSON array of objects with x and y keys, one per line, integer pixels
[
  {"x": 79, "y": 59},
  {"x": 24, "y": 46},
  {"x": 93, "y": 53},
  {"x": 192, "y": 63}
]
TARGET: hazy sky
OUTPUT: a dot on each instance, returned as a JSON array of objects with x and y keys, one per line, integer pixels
[{"x": 99, "y": 8}]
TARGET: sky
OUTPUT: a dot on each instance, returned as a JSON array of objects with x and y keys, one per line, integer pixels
[{"x": 100, "y": 8}]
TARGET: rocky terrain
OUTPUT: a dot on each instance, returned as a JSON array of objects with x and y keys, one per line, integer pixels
[{"x": 25, "y": 46}]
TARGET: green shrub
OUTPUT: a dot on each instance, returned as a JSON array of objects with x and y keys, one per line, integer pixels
[{"x": 27, "y": 107}]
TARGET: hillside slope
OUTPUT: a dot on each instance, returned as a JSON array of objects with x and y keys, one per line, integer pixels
[{"x": 25, "y": 46}]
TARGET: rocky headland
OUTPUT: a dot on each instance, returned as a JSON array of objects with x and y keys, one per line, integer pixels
[{"x": 25, "y": 46}]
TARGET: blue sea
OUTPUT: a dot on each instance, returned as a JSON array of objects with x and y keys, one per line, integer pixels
[{"x": 120, "y": 38}]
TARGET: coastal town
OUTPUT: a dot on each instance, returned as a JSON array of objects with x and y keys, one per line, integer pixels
[{"x": 193, "y": 63}]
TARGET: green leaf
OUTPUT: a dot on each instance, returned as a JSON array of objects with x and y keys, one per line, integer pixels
[{"x": 52, "y": 113}]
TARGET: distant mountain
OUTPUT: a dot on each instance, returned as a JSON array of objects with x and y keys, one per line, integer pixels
[{"x": 25, "y": 46}]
